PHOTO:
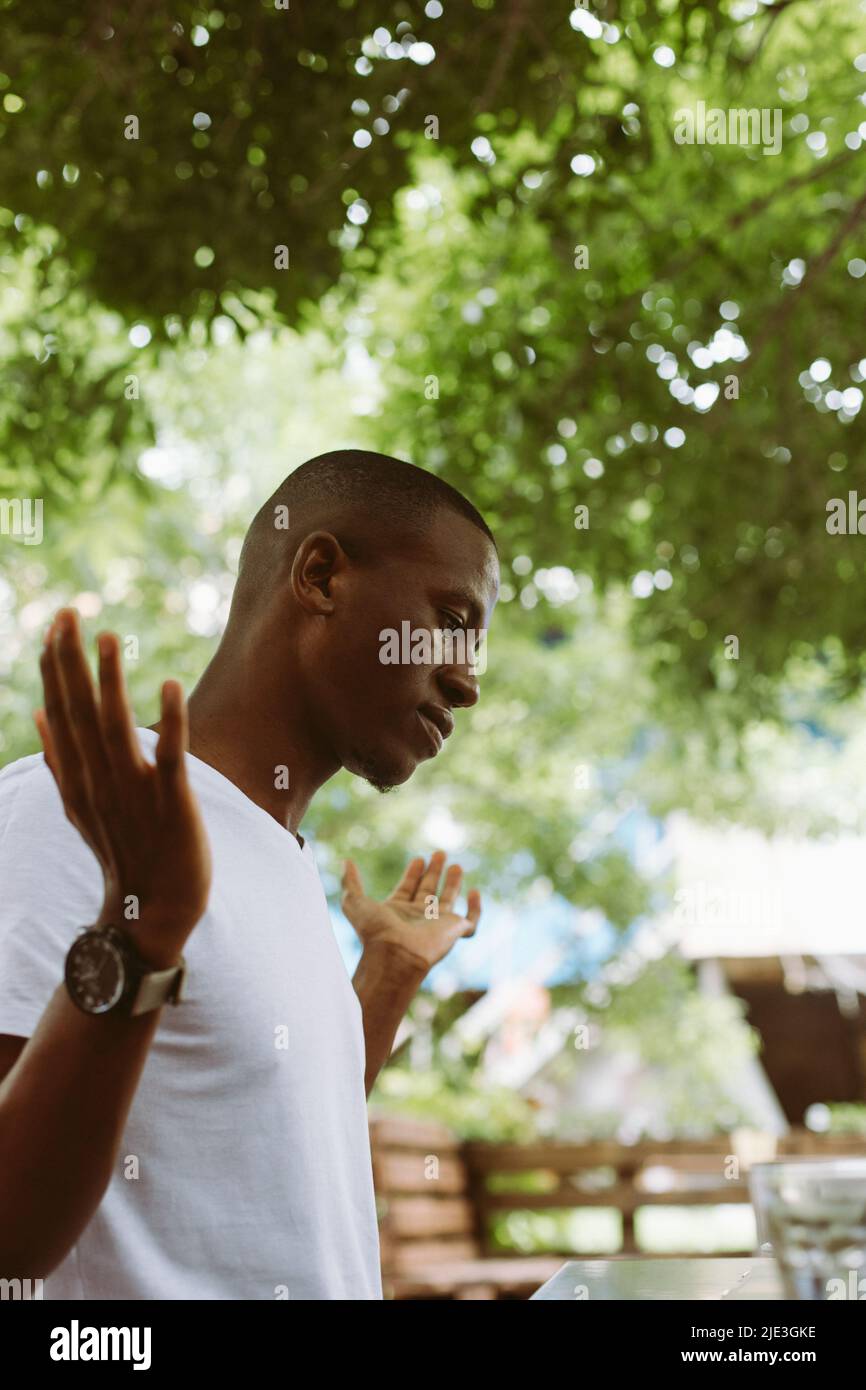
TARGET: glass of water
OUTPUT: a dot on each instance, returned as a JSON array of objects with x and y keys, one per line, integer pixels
[{"x": 812, "y": 1213}]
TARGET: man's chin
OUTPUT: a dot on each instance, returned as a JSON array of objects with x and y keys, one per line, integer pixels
[
  {"x": 383, "y": 787},
  {"x": 385, "y": 774}
]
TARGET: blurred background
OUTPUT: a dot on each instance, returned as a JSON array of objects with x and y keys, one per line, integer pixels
[{"x": 466, "y": 233}]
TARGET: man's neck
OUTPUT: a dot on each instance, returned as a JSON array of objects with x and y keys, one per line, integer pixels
[{"x": 273, "y": 763}]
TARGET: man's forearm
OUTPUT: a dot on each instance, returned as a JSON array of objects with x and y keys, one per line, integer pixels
[
  {"x": 386, "y": 981},
  {"x": 63, "y": 1109}
]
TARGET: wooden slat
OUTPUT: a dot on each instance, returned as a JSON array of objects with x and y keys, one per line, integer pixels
[
  {"x": 566, "y": 1158},
  {"x": 417, "y": 1254},
  {"x": 688, "y": 1163},
  {"x": 656, "y": 1151},
  {"x": 560, "y": 1158},
  {"x": 398, "y": 1171},
  {"x": 429, "y": 1216},
  {"x": 619, "y": 1198},
  {"x": 843, "y": 1145},
  {"x": 405, "y": 1132}
]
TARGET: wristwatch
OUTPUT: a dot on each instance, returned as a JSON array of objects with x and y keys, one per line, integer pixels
[{"x": 105, "y": 973}]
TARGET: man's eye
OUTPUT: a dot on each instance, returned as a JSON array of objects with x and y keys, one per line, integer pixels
[{"x": 452, "y": 618}]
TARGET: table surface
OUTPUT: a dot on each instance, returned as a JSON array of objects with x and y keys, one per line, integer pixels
[{"x": 638, "y": 1279}]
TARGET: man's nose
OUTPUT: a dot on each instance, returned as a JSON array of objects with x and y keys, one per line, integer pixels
[{"x": 459, "y": 687}]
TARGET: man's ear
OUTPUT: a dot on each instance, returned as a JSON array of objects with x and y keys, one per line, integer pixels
[{"x": 319, "y": 560}]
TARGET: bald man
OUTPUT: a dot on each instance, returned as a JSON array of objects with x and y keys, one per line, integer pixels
[{"x": 185, "y": 1059}]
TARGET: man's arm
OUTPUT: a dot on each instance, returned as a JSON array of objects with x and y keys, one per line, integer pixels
[
  {"x": 63, "y": 1109},
  {"x": 65, "y": 1100},
  {"x": 402, "y": 938},
  {"x": 386, "y": 981}
]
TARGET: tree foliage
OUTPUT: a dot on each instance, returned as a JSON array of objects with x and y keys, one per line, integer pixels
[
  {"x": 259, "y": 127},
  {"x": 503, "y": 265}
]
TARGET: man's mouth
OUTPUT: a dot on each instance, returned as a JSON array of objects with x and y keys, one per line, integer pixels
[
  {"x": 434, "y": 735},
  {"x": 438, "y": 724}
]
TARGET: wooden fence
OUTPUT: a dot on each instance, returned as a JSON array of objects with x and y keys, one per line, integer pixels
[
  {"x": 439, "y": 1198},
  {"x": 680, "y": 1173}
]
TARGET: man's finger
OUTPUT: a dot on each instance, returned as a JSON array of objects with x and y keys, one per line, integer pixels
[
  {"x": 81, "y": 706},
  {"x": 450, "y": 887},
  {"x": 117, "y": 726},
  {"x": 351, "y": 882},
  {"x": 173, "y": 737},
  {"x": 62, "y": 753},
  {"x": 473, "y": 911},
  {"x": 67, "y": 758},
  {"x": 429, "y": 882},
  {"x": 44, "y": 732},
  {"x": 406, "y": 888}
]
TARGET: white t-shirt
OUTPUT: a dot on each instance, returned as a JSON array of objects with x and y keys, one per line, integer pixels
[{"x": 244, "y": 1171}]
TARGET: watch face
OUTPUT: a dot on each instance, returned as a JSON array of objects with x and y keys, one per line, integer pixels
[{"x": 95, "y": 974}]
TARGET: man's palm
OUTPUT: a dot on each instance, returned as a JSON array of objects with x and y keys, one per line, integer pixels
[{"x": 415, "y": 917}]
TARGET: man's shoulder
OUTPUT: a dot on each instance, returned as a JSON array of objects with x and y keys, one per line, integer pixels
[
  {"x": 52, "y": 886},
  {"x": 26, "y": 783},
  {"x": 33, "y": 821}
]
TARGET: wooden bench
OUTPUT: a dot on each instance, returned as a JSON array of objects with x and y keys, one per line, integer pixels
[{"x": 432, "y": 1243}]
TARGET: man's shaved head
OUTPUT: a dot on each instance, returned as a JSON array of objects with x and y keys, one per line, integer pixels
[{"x": 373, "y": 504}]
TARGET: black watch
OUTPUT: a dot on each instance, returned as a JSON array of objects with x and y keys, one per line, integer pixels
[{"x": 105, "y": 974}]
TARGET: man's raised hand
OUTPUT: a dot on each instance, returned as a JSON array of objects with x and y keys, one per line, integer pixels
[
  {"x": 415, "y": 919},
  {"x": 140, "y": 819}
]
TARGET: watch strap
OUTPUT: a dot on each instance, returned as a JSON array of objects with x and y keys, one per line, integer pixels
[{"x": 158, "y": 987}]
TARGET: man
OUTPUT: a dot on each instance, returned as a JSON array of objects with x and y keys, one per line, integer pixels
[{"x": 217, "y": 1147}]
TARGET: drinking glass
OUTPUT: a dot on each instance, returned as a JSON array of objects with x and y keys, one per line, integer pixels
[{"x": 812, "y": 1211}]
